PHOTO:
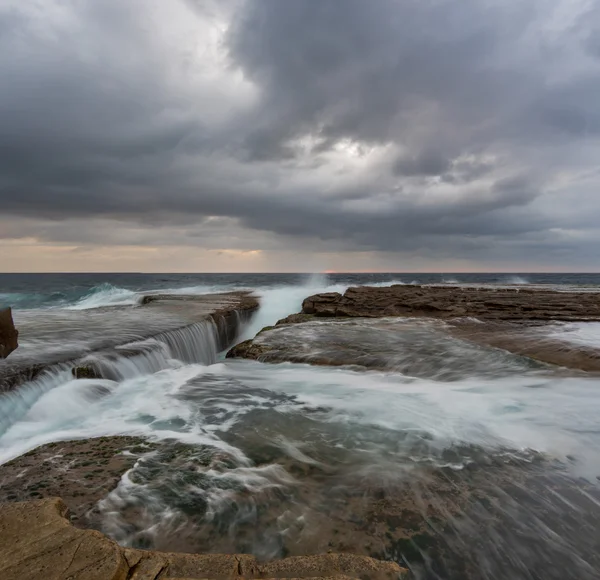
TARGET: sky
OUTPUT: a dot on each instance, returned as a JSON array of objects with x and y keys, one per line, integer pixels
[{"x": 267, "y": 135}]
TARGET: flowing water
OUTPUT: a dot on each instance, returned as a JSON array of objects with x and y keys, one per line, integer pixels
[{"x": 456, "y": 460}]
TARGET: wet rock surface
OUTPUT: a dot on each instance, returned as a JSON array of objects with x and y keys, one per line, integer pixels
[
  {"x": 452, "y": 302},
  {"x": 8, "y": 333},
  {"x": 37, "y": 540},
  {"x": 55, "y": 339},
  {"x": 535, "y": 341},
  {"x": 415, "y": 347},
  {"x": 81, "y": 472},
  {"x": 435, "y": 518},
  {"x": 329, "y": 330}
]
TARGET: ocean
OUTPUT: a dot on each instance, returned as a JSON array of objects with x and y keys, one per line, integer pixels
[
  {"x": 460, "y": 461},
  {"x": 29, "y": 291}
]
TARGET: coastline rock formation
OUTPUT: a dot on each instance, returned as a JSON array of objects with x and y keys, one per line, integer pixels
[
  {"x": 509, "y": 304},
  {"x": 38, "y": 541},
  {"x": 8, "y": 333},
  {"x": 516, "y": 320},
  {"x": 108, "y": 331}
]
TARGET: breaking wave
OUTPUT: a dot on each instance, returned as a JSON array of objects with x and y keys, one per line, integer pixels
[{"x": 106, "y": 295}]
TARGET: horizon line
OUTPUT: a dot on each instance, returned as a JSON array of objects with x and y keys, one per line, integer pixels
[{"x": 328, "y": 272}]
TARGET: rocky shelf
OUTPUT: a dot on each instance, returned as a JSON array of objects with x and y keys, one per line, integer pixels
[
  {"x": 334, "y": 329},
  {"x": 60, "y": 339},
  {"x": 38, "y": 541},
  {"x": 508, "y": 304}
]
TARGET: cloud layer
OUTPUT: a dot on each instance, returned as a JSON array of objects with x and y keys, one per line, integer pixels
[{"x": 399, "y": 133}]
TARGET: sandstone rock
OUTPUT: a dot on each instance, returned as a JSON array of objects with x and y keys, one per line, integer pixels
[
  {"x": 247, "y": 349},
  {"x": 8, "y": 333},
  {"x": 165, "y": 314},
  {"x": 37, "y": 541},
  {"x": 508, "y": 304},
  {"x": 322, "y": 304},
  {"x": 512, "y": 316},
  {"x": 61, "y": 468},
  {"x": 295, "y": 318}
]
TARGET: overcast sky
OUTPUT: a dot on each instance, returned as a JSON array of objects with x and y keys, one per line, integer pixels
[{"x": 305, "y": 135}]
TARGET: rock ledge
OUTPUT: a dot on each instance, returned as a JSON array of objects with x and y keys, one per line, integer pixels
[
  {"x": 37, "y": 541},
  {"x": 509, "y": 304}
]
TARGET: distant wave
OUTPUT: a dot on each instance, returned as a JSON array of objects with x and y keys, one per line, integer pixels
[
  {"x": 106, "y": 295},
  {"x": 385, "y": 284},
  {"x": 516, "y": 280}
]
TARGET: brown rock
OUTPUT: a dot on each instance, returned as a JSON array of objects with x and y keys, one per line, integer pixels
[
  {"x": 295, "y": 319},
  {"x": 507, "y": 304},
  {"x": 322, "y": 304},
  {"x": 37, "y": 541},
  {"x": 82, "y": 472},
  {"x": 247, "y": 349},
  {"x": 8, "y": 333},
  {"x": 333, "y": 564}
]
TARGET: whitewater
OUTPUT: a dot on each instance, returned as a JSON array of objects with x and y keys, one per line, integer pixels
[{"x": 501, "y": 466}]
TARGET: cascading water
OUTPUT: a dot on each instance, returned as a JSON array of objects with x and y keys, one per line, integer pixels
[
  {"x": 197, "y": 343},
  {"x": 14, "y": 404},
  {"x": 193, "y": 344}
]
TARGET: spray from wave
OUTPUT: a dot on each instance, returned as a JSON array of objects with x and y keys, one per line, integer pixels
[
  {"x": 279, "y": 301},
  {"x": 517, "y": 280},
  {"x": 106, "y": 295}
]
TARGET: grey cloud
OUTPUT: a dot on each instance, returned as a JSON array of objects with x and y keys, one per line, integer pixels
[
  {"x": 458, "y": 127},
  {"x": 425, "y": 163}
]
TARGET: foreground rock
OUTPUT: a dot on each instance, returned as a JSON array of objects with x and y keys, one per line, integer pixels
[
  {"x": 8, "y": 333},
  {"x": 512, "y": 304},
  {"x": 37, "y": 541}
]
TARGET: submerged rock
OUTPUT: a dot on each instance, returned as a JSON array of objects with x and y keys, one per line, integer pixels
[
  {"x": 417, "y": 348},
  {"x": 85, "y": 372},
  {"x": 8, "y": 333}
]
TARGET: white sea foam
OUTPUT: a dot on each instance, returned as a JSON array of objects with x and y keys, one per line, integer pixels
[
  {"x": 553, "y": 415},
  {"x": 579, "y": 333},
  {"x": 280, "y": 301},
  {"x": 106, "y": 295}
]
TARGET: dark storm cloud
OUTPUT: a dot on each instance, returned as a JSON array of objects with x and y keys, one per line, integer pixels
[{"x": 385, "y": 125}]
